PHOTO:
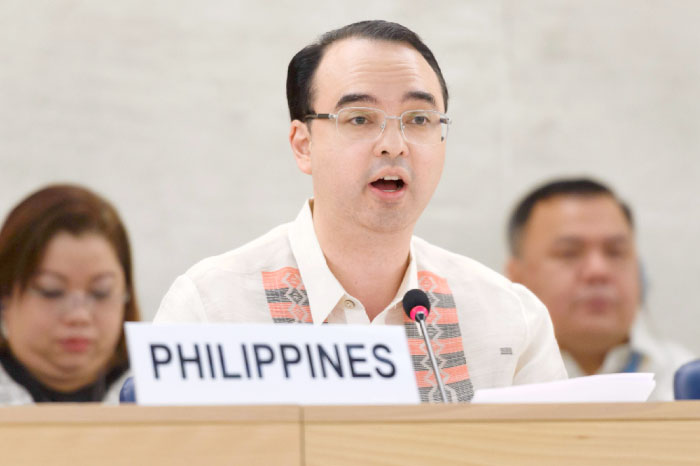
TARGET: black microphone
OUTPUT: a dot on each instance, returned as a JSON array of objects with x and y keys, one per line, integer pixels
[{"x": 417, "y": 307}]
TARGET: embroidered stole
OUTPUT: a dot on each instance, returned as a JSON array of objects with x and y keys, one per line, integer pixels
[{"x": 289, "y": 303}]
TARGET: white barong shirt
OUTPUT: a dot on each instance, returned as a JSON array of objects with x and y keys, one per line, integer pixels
[{"x": 486, "y": 331}]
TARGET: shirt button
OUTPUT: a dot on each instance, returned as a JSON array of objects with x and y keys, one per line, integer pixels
[{"x": 349, "y": 304}]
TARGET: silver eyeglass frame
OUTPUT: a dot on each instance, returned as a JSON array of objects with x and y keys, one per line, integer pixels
[{"x": 444, "y": 120}]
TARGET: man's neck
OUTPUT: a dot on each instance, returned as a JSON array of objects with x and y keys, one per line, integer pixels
[
  {"x": 369, "y": 265},
  {"x": 590, "y": 358},
  {"x": 590, "y": 363}
]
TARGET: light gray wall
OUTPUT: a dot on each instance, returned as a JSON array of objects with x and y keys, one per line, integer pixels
[{"x": 175, "y": 110}]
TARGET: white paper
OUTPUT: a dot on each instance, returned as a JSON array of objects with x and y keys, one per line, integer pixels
[{"x": 604, "y": 388}]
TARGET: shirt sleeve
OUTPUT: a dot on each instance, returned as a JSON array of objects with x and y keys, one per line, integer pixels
[
  {"x": 540, "y": 360},
  {"x": 182, "y": 303}
]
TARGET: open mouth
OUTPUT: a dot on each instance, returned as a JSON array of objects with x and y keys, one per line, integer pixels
[{"x": 388, "y": 184}]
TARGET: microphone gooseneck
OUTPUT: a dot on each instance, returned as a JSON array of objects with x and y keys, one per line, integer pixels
[{"x": 417, "y": 307}]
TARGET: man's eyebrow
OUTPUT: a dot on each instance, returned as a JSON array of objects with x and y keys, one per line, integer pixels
[
  {"x": 420, "y": 95},
  {"x": 366, "y": 98},
  {"x": 352, "y": 98},
  {"x": 573, "y": 239},
  {"x": 618, "y": 239},
  {"x": 567, "y": 240}
]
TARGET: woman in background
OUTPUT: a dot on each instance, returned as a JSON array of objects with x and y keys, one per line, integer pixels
[{"x": 66, "y": 289}]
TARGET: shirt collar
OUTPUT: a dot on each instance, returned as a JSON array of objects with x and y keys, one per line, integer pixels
[
  {"x": 616, "y": 360},
  {"x": 322, "y": 288},
  {"x": 410, "y": 279}
]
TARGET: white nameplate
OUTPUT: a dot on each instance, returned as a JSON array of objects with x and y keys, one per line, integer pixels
[{"x": 210, "y": 364}]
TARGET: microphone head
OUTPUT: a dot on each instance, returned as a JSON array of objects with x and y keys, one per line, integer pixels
[{"x": 416, "y": 303}]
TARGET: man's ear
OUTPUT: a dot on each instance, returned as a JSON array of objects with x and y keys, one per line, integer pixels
[
  {"x": 643, "y": 280},
  {"x": 300, "y": 140},
  {"x": 513, "y": 269},
  {"x": 3, "y": 318}
]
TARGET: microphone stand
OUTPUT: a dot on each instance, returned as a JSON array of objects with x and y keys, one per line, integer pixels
[{"x": 420, "y": 318}]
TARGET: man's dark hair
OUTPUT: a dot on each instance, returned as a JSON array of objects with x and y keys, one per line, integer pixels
[
  {"x": 302, "y": 68},
  {"x": 582, "y": 187}
]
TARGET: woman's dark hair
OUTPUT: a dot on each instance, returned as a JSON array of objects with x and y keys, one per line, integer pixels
[
  {"x": 303, "y": 66},
  {"x": 30, "y": 226}
]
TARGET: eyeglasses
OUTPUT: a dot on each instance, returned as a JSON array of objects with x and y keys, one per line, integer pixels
[
  {"x": 97, "y": 301},
  {"x": 423, "y": 127}
]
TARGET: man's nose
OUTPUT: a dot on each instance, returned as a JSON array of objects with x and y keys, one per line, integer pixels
[
  {"x": 596, "y": 266},
  {"x": 391, "y": 142}
]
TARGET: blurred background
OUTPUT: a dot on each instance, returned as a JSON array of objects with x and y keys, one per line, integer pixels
[{"x": 175, "y": 111}]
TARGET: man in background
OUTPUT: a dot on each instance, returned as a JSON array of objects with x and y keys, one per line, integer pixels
[{"x": 572, "y": 243}]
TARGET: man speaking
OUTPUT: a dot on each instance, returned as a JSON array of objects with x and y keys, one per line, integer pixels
[{"x": 367, "y": 103}]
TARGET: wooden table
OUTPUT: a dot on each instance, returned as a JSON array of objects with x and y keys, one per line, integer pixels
[{"x": 562, "y": 434}]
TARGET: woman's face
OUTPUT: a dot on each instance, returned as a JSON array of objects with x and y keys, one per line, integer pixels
[{"x": 65, "y": 326}]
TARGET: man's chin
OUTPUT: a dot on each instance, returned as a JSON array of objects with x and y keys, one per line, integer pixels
[
  {"x": 605, "y": 331},
  {"x": 596, "y": 320},
  {"x": 601, "y": 308},
  {"x": 388, "y": 221}
]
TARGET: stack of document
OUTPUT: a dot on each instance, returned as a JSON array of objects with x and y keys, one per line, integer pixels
[{"x": 606, "y": 388}]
